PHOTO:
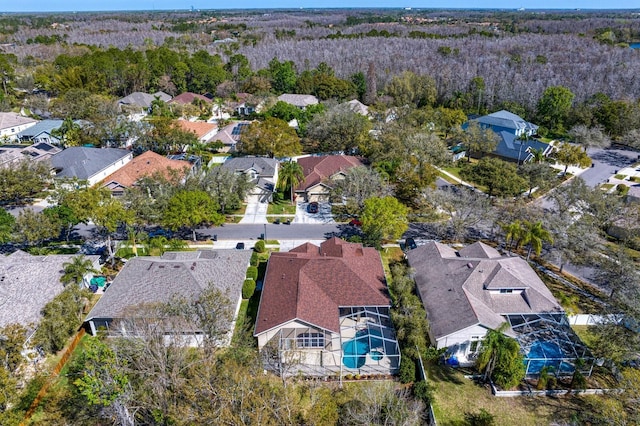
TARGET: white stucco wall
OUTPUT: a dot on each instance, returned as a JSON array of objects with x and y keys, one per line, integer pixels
[{"x": 108, "y": 170}]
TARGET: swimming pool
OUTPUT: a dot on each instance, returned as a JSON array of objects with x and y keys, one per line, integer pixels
[
  {"x": 355, "y": 350},
  {"x": 546, "y": 354}
]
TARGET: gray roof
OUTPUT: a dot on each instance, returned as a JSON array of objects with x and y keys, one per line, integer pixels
[
  {"x": 44, "y": 126},
  {"x": 301, "y": 101},
  {"x": 144, "y": 100},
  {"x": 27, "y": 283},
  {"x": 83, "y": 163},
  {"x": 507, "y": 120},
  {"x": 11, "y": 119},
  {"x": 510, "y": 147},
  {"x": 460, "y": 290},
  {"x": 10, "y": 154},
  {"x": 147, "y": 280},
  {"x": 265, "y": 167}
]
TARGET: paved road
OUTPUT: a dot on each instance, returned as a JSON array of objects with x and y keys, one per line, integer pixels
[
  {"x": 606, "y": 163},
  {"x": 294, "y": 231}
]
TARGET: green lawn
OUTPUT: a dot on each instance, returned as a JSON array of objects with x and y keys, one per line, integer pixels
[
  {"x": 455, "y": 396},
  {"x": 281, "y": 207}
]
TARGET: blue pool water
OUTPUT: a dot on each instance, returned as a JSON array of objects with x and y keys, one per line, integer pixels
[
  {"x": 540, "y": 350},
  {"x": 355, "y": 350}
]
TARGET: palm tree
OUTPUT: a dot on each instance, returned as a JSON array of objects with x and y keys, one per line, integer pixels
[
  {"x": 513, "y": 232},
  {"x": 534, "y": 235},
  {"x": 76, "y": 269},
  {"x": 537, "y": 155},
  {"x": 291, "y": 174}
]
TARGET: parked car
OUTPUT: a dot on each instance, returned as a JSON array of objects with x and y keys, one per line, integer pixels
[
  {"x": 410, "y": 244},
  {"x": 355, "y": 222},
  {"x": 159, "y": 232},
  {"x": 312, "y": 207},
  {"x": 240, "y": 246}
]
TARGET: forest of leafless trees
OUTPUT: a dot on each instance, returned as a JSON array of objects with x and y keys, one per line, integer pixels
[{"x": 518, "y": 54}]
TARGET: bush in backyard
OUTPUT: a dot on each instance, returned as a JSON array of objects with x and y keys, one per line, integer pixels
[
  {"x": 407, "y": 373},
  {"x": 260, "y": 246},
  {"x": 422, "y": 391},
  {"x": 254, "y": 259},
  {"x": 622, "y": 190},
  {"x": 248, "y": 288},
  {"x": 482, "y": 418},
  {"x": 252, "y": 273}
]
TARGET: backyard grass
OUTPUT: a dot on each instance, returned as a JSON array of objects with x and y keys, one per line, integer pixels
[
  {"x": 281, "y": 207},
  {"x": 454, "y": 396}
]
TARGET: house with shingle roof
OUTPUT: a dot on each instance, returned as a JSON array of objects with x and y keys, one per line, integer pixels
[
  {"x": 319, "y": 171},
  {"x": 143, "y": 100},
  {"x": 188, "y": 98},
  {"x": 230, "y": 135},
  {"x": 41, "y": 132},
  {"x": 12, "y": 154},
  {"x": 150, "y": 280},
  {"x": 262, "y": 171},
  {"x": 329, "y": 305},
  {"x": 90, "y": 164},
  {"x": 204, "y": 131},
  {"x": 473, "y": 290},
  {"x": 11, "y": 124},
  {"x": 300, "y": 101},
  {"x": 28, "y": 283},
  {"x": 515, "y": 136},
  {"x": 146, "y": 164}
]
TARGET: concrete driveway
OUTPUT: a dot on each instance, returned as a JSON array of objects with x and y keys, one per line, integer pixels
[
  {"x": 256, "y": 211},
  {"x": 323, "y": 215}
]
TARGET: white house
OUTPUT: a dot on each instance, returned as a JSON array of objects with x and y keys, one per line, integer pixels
[
  {"x": 11, "y": 124},
  {"x": 89, "y": 164}
]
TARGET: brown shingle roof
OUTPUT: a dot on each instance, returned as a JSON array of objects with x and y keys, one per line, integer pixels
[
  {"x": 187, "y": 98},
  {"x": 318, "y": 168},
  {"x": 146, "y": 164},
  {"x": 310, "y": 283}
]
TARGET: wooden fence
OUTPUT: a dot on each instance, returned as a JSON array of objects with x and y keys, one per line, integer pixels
[{"x": 54, "y": 374}]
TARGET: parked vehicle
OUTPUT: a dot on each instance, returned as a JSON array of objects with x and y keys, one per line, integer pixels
[
  {"x": 410, "y": 244},
  {"x": 240, "y": 246},
  {"x": 313, "y": 207},
  {"x": 355, "y": 222}
]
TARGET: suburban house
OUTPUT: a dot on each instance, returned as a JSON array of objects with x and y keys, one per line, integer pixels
[
  {"x": 146, "y": 164},
  {"x": 204, "y": 131},
  {"x": 300, "y": 101},
  {"x": 475, "y": 289},
  {"x": 319, "y": 171},
  {"x": 43, "y": 131},
  {"x": 515, "y": 136},
  {"x": 187, "y": 98},
  {"x": 230, "y": 135},
  {"x": 244, "y": 104},
  {"x": 325, "y": 310},
  {"x": 11, "y": 124},
  {"x": 262, "y": 171},
  {"x": 90, "y": 164},
  {"x": 149, "y": 280},
  {"x": 12, "y": 154},
  {"x": 28, "y": 283},
  {"x": 143, "y": 101},
  {"x": 357, "y": 107}
]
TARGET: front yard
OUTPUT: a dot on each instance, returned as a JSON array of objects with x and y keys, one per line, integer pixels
[{"x": 281, "y": 207}]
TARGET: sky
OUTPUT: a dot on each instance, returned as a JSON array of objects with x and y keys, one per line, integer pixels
[{"x": 108, "y": 5}]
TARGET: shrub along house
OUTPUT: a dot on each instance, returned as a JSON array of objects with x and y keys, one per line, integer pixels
[{"x": 325, "y": 311}]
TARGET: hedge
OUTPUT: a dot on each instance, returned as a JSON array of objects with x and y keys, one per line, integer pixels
[
  {"x": 254, "y": 259},
  {"x": 252, "y": 273},
  {"x": 260, "y": 246},
  {"x": 248, "y": 288}
]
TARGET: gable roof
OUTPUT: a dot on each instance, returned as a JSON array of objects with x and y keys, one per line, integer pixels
[
  {"x": 27, "y": 283},
  {"x": 509, "y": 146},
  {"x": 199, "y": 128},
  {"x": 357, "y": 107},
  {"x": 301, "y": 101},
  {"x": 146, "y": 164},
  {"x": 188, "y": 97},
  {"x": 311, "y": 283},
  {"x": 318, "y": 168},
  {"x": 11, "y": 119},
  {"x": 265, "y": 167},
  {"x": 83, "y": 163},
  {"x": 507, "y": 120},
  {"x": 144, "y": 100},
  {"x": 44, "y": 126},
  {"x": 151, "y": 279},
  {"x": 461, "y": 291}
]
